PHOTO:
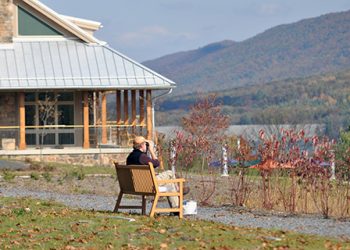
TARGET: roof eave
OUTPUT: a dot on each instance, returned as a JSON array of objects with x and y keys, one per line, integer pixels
[
  {"x": 91, "y": 88},
  {"x": 84, "y": 23}
]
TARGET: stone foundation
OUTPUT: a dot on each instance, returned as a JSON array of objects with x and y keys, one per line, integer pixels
[
  {"x": 92, "y": 159},
  {"x": 8, "y": 143}
]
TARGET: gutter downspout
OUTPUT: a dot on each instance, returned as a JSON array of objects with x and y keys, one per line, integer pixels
[{"x": 153, "y": 103}]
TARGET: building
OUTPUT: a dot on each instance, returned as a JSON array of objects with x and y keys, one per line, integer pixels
[{"x": 54, "y": 80}]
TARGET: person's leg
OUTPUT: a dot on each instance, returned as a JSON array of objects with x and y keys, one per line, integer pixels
[{"x": 171, "y": 187}]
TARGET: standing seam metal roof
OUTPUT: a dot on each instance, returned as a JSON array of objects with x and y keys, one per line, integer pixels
[{"x": 69, "y": 64}]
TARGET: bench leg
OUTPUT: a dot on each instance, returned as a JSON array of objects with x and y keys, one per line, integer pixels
[
  {"x": 154, "y": 205},
  {"x": 118, "y": 202},
  {"x": 143, "y": 204},
  {"x": 181, "y": 198}
]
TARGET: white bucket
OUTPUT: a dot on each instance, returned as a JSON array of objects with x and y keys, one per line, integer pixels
[{"x": 190, "y": 207}]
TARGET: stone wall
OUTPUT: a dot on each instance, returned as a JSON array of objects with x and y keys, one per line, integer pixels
[
  {"x": 74, "y": 159},
  {"x": 6, "y": 21},
  {"x": 8, "y": 115}
]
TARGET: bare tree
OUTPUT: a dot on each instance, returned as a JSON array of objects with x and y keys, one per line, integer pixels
[
  {"x": 206, "y": 124},
  {"x": 204, "y": 128},
  {"x": 47, "y": 114}
]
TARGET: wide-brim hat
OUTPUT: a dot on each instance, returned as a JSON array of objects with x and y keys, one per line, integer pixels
[{"x": 139, "y": 140}]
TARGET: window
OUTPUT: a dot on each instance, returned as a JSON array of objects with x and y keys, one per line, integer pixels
[
  {"x": 65, "y": 114},
  {"x": 45, "y": 110},
  {"x": 30, "y": 115},
  {"x": 29, "y": 25}
]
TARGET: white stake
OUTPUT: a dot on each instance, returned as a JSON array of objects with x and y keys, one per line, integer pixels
[{"x": 224, "y": 161}]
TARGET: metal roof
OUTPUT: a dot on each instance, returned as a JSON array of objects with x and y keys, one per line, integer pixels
[{"x": 70, "y": 64}]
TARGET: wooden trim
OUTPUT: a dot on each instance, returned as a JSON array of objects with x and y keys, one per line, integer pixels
[
  {"x": 133, "y": 109},
  {"x": 142, "y": 106},
  {"x": 149, "y": 114},
  {"x": 15, "y": 20},
  {"x": 126, "y": 107},
  {"x": 142, "y": 110},
  {"x": 86, "y": 143},
  {"x": 22, "y": 122},
  {"x": 104, "y": 118},
  {"x": 118, "y": 106}
]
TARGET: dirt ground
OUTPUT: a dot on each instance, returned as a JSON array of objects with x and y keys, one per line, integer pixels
[{"x": 106, "y": 185}]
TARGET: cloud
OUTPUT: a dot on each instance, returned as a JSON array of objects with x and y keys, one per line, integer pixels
[
  {"x": 269, "y": 9},
  {"x": 152, "y": 33}
]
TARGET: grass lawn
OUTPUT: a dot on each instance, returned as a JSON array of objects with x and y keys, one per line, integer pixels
[
  {"x": 35, "y": 224},
  {"x": 60, "y": 169}
]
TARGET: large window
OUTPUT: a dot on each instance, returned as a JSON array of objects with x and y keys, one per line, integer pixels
[
  {"x": 49, "y": 118},
  {"x": 29, "y": 25}
]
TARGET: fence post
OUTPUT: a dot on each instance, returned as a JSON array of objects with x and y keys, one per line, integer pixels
[{"x": 224, "y": 161}]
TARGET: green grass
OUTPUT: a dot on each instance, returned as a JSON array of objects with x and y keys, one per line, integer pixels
[
  {"x": 60, "y": 169},
  {"x": 33, "y": 224}
]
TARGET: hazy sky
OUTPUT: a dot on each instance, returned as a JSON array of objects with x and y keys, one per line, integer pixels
[{"x": 147, "y": 29}]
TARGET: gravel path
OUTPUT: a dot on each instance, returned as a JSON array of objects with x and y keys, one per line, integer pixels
[{"x": 227, "y": 215}]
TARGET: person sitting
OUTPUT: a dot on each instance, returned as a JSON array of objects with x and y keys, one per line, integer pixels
[{"x": 139, "y": 157}]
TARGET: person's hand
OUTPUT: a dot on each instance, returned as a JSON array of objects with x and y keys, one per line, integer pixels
[
  {"x": 151, "y": 149},
  {"x": 151, "y": 144}
]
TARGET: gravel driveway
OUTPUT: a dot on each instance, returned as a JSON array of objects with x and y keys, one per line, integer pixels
[{"x": 227, "y": 215}]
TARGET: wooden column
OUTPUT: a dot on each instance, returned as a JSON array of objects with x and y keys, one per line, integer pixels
[
  {"x": 22, "y": 122},
  {"x": 86, "y": 143},
  {"x": 149, "y": 115},
  {"x": 126, "y": 107},
  {"x": 133, "y": 110},
  {"x": 142, "y": 109},
  {"x": 118, "y": 106},
  {"x": 104, "y": 118}
]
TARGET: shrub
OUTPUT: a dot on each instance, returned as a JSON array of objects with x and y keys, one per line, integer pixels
[
  {"x": 34, "y": 176},
  {"x": 8, "y": 175},
  {"x": 47, "y": 176}
]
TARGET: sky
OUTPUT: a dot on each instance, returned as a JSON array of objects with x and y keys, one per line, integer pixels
[{"x": 148, "y": 29}]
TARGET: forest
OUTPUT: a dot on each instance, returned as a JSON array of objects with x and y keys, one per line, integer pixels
[{"x": 322, "y": 99}]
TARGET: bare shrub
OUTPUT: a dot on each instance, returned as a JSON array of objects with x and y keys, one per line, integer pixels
[{"x": 203, "y": 133}]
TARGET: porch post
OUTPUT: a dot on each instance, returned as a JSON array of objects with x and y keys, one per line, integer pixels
[
  {"x": 86, "y": 143},
  {"x": 133, "y": 110},
  {"x": 22, "y": 122},
  {"x": 149, "y": 115},
  {"x": 126, "y": 107},
  {"x": 142, "y": 109},
  {"x": 104, "y": 118},
  {"x": 118, "y": 107}
]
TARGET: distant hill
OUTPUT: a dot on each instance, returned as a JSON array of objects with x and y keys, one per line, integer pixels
[{"x": 308, "y": 47}]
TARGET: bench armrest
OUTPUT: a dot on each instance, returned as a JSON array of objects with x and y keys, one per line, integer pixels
[{"x": 171, "y": 181}]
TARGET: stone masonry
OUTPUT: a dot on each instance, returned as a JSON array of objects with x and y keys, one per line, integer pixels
[
  {"x": 6, "y": 21},
  {"x": 8, "y": 115},
  {"x": 74, "y": 159}
]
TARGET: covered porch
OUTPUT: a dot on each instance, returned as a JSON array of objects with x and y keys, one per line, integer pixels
[
  {"x": 80, "y": 120},
  {"x": 68, "y": 94}
]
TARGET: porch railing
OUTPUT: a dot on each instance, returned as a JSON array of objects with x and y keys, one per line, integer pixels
[{"x": 114, "y": 135}]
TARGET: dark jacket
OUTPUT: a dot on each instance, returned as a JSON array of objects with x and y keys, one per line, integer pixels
[{"x": 137, "y": 157}]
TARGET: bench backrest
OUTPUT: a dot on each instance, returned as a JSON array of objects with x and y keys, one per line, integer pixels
[{"x": 136, "y": 179}]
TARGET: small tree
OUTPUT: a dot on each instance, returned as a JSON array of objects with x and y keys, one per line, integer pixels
[
  {"x": 203, "y": 132},
  {"x": 206, "y": 125}
]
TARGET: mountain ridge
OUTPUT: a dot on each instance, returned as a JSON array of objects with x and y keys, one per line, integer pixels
[{"x": 307, "y": 47}]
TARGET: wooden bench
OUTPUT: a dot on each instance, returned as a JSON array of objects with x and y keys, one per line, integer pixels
[{"x": 141, "y": 180}]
